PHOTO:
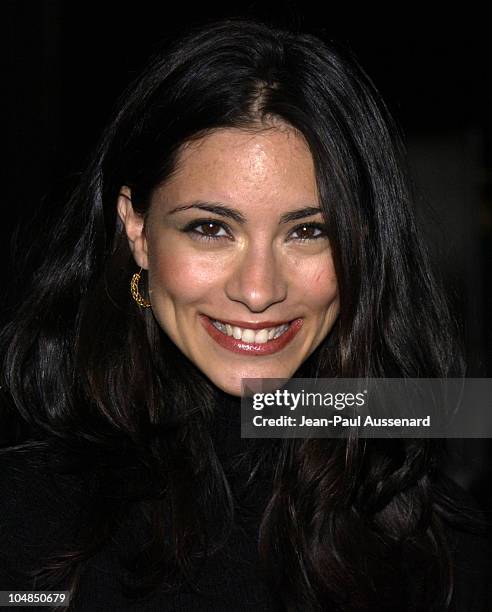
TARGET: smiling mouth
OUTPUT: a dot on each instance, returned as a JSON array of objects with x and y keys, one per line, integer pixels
[
  {"x": 251, "y": 336},
  {"x": 252, "y": 342}
]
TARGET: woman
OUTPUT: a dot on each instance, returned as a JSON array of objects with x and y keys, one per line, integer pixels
[{"x": 245, "y": 215}]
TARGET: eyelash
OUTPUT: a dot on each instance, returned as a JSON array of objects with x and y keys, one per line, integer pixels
[{"x": 191, "y": 229}]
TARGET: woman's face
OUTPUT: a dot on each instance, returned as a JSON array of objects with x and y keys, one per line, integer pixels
[{"x": 241, "y": 276}]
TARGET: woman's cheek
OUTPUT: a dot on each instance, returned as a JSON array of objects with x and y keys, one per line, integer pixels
[
  {"x": 317, "y": 280},
  {"x": 183, "y": 274}
]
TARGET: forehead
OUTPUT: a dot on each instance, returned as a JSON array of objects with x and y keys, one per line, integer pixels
[{"x": 248, "y": 168}]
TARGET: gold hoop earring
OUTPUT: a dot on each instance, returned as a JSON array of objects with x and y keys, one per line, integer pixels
[{"x": 136, "y": 295}]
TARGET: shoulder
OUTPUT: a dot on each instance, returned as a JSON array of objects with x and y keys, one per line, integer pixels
[{"x": 39, "y": 512}]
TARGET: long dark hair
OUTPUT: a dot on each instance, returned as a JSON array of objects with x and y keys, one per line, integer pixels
[{"x": 88, "y": 374}]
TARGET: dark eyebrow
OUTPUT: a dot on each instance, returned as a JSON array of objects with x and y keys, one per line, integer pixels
[
  {"x": 213, "y": 207},
  {"x": 301, "y": 213},
  {"x": 225, "y": 211}
]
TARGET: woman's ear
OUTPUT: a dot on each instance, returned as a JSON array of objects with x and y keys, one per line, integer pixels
[{"x": 134, "y": 227}]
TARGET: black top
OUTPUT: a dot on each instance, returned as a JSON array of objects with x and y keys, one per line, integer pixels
[{"x": 38, "y": 512}]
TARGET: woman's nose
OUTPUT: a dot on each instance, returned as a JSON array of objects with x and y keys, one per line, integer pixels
[{"x": 258, "y": 279}]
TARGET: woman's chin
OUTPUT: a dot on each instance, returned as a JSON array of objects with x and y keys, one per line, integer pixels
[
  {"x": 237, "y": 386},
  {"x": 231, "y": 387}
]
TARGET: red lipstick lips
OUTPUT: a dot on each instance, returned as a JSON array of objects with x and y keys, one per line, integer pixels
[{"x": 250, "y": 348}]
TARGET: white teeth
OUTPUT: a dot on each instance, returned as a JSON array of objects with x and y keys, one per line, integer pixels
[
  {"x": 261, "y": 336},
  {"x": 251, "y": 336},
  {"x": 248, "y": 335}
]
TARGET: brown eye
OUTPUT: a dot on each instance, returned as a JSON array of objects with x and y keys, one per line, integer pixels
[
  {"x": 210, "y": 229},
  {"x": 308, "y": 231},
  {"x": 204, "y": 229}
]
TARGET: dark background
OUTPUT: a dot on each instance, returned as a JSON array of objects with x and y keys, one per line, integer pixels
[{"x": 67, "y": 63}]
